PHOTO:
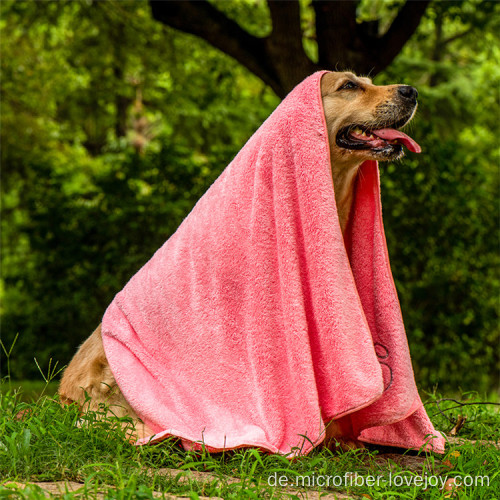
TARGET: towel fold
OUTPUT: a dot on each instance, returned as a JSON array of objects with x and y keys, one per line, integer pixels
[{"x": 256, "y": 323}]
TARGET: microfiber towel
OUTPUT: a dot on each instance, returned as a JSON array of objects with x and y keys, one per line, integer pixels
[{"x": 257, "y": 323}]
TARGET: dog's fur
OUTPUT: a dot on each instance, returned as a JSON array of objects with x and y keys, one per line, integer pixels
[{"x": 348, "y": 101}]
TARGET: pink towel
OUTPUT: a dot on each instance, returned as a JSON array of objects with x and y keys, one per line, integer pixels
[{"x": 255, "y": 323}]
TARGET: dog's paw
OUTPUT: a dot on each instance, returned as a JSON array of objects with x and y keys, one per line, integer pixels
[
  {"x": 339, "y": 436},
  {"x": 344, "y": 444}
]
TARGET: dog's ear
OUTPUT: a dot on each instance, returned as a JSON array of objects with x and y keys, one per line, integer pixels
[{"x": 329, "y": 82}]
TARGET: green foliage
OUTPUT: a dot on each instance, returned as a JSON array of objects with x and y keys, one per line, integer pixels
[
  {"x": 85, "y": 246},
  {"x": 441, "y": 212},
  {"x": 113, "y": 126},
  {"x": 85, "y": 206}
]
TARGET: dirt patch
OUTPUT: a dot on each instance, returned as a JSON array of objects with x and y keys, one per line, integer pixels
[
  {"x": 51, "y": 488},
  {"x": 457, "y": 441},
  {"x": 207, "y": 477}
]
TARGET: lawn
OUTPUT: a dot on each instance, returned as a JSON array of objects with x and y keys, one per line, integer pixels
[{"x": 88, "y": 457}]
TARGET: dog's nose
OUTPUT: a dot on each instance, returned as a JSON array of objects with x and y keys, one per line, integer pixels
[{"x": 408, "y": 92}]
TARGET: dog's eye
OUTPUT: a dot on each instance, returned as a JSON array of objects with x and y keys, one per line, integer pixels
[{"x": 349, "y": 85}]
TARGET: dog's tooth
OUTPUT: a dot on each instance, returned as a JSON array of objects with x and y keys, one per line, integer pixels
[
  {"x": 371, "y": 136},
  {"x": 363, "y": 133}
]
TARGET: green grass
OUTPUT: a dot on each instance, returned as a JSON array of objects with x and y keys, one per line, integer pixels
[
  {"x": 29, "y": 390},
  {"x": 52, "y": 443}
]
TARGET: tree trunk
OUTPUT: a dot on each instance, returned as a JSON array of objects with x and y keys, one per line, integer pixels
[{"x": 279, "y": 59}]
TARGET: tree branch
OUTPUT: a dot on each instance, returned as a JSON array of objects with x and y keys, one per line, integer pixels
[
  {"x": 399, "y": 33},
  {"x": 457, "y": 36},
  {"x": 202, "y": 19}
]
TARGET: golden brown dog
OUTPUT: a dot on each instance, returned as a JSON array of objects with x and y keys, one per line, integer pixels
[{"x": 361, "y": 120}]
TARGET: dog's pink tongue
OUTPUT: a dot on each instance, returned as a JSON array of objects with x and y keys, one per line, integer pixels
[{"x": 389, "y": 134}]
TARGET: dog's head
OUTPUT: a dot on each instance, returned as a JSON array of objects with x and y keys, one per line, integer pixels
[{"x": 363, "y": 118}]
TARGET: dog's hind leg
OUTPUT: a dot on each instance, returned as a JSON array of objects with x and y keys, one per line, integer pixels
[{"x": 88, "y": 381}]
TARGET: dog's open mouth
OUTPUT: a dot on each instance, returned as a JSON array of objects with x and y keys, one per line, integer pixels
[{"x": 383, "y": 140}]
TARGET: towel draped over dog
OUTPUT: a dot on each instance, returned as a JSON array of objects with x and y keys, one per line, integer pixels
[{"x": 257, "y": 323}]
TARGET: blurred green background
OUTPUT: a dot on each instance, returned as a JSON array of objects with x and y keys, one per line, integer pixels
[{"x": 113, "y": 125}]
